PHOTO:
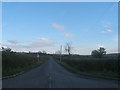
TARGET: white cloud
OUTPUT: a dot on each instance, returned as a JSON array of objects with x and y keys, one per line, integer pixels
[
  {"x": 109, "y": 30},
  {"x": 39, "y": 44},
  {"x": 17, "y": 47},
  {"x": 58, "y": 27},
  {"x": 13, "y": 41},
  {"x": 45, "y": 39},
  {"x": 35, "y": 45},
  {"x": 67, "y": 35}
]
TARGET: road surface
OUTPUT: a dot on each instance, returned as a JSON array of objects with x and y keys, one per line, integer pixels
[{"x": 52, "y": 75}]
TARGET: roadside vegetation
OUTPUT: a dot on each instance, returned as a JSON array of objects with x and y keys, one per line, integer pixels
[
  {"x": 13, "y": 62},
  {"x": 97, "y": 64},
  {"x": 105, "y": 67}
]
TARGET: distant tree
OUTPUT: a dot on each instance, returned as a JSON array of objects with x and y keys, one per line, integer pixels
[
  {"x": 102, "y": 51},
  {"x": 44, "y": 52},
  {"x": 68, "y": 48},
  {"x": 39, "y": 52},
  {"x": 95, "y": 53},
  {"x": 6, "y": 49},
  {"x": 3, "y": 48},
  {"x": 99, "y": 53}
]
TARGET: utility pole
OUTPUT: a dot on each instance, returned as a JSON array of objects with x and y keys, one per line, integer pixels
[
  {"x": 38, "y": 56},
  {"x": 60, "y": 52}
]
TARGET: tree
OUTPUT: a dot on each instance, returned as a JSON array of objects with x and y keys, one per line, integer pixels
[
  {"x": 68, "y": 48},
  {"x": 3, "y": 48},
  {"x": 99, "y": 53},
  {"x": 102, "y": 51},
  {"x": 6, "y": 49},
  {"x": 95, "y": 53},
  {"x": 39, "y": 52},
  {"x": 44, "y": 52}
]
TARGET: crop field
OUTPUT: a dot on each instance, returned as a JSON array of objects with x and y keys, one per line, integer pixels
[
  {"x": 103, "y": 67},
  {"x": 13, "y": 63}
]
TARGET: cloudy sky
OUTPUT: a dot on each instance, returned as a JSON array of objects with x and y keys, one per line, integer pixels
[{"x": 45, "y": 26}]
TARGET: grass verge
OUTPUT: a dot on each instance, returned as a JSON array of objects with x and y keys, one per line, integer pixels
[
  {"x": 13, "y": 63},
  {"x": 101, "y": 74}
]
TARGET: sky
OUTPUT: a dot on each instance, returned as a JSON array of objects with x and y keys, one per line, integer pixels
[{"x": 38, "y": 26}]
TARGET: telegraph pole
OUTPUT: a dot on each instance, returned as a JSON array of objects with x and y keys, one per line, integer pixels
[{"x": 60, "y": 52}]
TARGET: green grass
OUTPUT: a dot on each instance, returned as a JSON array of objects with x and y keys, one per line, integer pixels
[
  {"x": 104, "y": 67},
  {"x": 65, "y": 65},
  {"x": 13, "y": 63}
]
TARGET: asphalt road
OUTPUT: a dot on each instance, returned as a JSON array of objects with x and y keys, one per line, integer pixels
[{"x": 52, "y": 75}]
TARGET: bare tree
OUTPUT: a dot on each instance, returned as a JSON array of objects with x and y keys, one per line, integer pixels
[{"x": 68, "y": 48}]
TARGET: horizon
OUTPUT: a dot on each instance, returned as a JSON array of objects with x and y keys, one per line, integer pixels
[{"x": 46, "y": 26}]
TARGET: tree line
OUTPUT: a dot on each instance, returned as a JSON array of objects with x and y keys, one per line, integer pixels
[{"x": 99, "y": 53}]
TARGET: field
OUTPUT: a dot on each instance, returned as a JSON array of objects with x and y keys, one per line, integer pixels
[
  {"x": 13, "y": 63},
  {"x": 102, "y": 67}
]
